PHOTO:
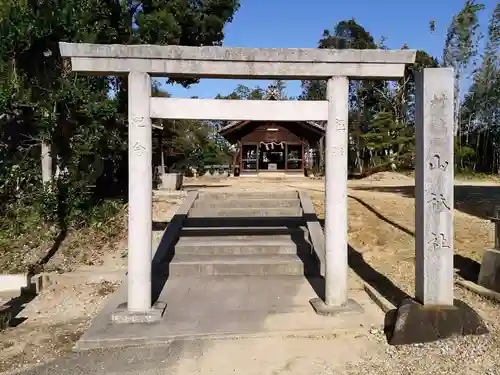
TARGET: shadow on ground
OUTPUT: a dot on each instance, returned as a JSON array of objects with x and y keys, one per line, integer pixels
[
  {"x": 12, "y": 308},
  {"x": 474, "y": 200},
  {"x": 374, "y": 278},
  {"x": 159, "y": 226},
  {"x": 189, "y": 186},
  {"x": 466, "y": 268},
  {"x": 368, "y": 274}
]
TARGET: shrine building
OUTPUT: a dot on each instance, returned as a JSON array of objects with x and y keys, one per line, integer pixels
[{"x": 273, "y": 148}]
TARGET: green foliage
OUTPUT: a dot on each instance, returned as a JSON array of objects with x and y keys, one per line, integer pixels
[
  {"x": 242, "y": 92},
  {"x": 461, "y": 47},
  {"x": 86, "y": 129}
]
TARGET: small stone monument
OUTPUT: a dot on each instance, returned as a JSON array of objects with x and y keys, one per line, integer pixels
[{"x": 489, "y": 274}]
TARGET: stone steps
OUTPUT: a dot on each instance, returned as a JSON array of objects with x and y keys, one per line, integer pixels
[
  {"x": 229, "y": 245},
  {"x": 237, "y": 265},
  {"x": 207, "y": 203},
  {"x": 198, "y": 212},
  {"x": 242, "y": 222},
  {"x": 223, "y": 195},
  {"x": 244, "y": 234}
]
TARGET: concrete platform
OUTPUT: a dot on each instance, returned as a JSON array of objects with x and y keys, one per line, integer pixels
[{"x": 229, "y": 307}]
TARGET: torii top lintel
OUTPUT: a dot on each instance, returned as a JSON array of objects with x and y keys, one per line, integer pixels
[{"x": 227, "y": 62}]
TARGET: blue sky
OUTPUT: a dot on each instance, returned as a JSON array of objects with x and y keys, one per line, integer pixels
[{"x": 300, "y": 23}]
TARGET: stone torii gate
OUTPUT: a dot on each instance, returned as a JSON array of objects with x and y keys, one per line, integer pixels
[{"x": 434, "y": 125}]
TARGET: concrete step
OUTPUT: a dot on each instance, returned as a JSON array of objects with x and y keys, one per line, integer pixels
[
  {"x": 244, "y": 233},
  {"x": 209, "y": 203},
  {"x": 239, "y": 265},
  {"x": 223, "y": 195},
  {"x": 245, "y": 212},
  {"x": 230, "y": 246},
  {"x": 242, "y": 222}
]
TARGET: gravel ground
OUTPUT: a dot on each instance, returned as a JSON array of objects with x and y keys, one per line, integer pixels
[
  {"x": 51, "y": 323},
  {"x": 381, "y": 228}
]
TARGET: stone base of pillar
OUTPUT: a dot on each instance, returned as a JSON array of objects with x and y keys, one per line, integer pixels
[
  {"x": 489, "y": 275},
  {"x": 321, "y": 308},
  {"x": 123, "y": 316},
  {"x": 414, "y": 323}
]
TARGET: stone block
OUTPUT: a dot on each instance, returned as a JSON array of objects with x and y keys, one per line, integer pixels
[
  {"x": 171, "y": 181},
  {"x": 123, "y": 316},
  {"x": 321, "y": 308},
  {"x": 489, "y": 274},
  {"x": 13, "y": 282},
  {"x": 382, "y": 302},
  {"x": 414, "y": 323}
]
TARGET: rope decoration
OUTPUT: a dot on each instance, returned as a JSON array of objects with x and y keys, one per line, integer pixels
[{"x": 271, "y": 145}]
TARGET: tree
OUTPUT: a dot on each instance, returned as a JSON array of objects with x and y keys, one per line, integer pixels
[
  {"x": 389, "y": 140},
  {"x": 277, "y": 90},
  {"x": 364, "y": 96},
  {"x": 73, "y": 114},
  {"x": 461, "y": 46},
  {"x": 480, "y": 109},
  {"x": 242, "y": 92}
]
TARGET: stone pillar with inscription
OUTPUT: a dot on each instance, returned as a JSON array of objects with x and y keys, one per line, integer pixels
[
  {"x": 434, "y": 314},
  {"x": 140, "y": 193},
  {"x": 434, "y": 187},
  {"x": 336, "y": 266}
]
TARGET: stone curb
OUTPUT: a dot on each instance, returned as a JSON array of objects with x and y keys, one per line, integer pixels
[
  {"x": 478, "y": 289},
  {"x": 13, "y": 282},
  {"x": 378, "y": 298},
  {"x": 316, "y": 233}
]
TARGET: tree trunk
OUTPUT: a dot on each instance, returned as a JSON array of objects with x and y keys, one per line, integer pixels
[
  {"x": 359, "y": 162},
  {"x": 235, "y": 158},
  {"x": 46, "y": 156},
  {"x": 162, "y": 156},
  {"x": 321, "y": 155}
]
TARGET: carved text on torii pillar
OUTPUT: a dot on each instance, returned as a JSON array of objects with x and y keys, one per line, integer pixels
[
  {"x": 340, "y": 124},
  {"x": 138, "y": 121},
  {"x": 338, "y": 150},
  {"x": 138, "y": 149}
]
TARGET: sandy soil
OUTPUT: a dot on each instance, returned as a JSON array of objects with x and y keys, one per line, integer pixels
[{"x": 381, "y": 232}]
